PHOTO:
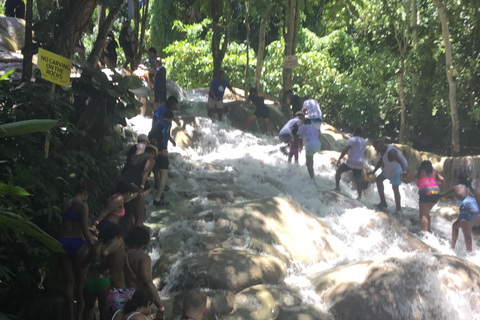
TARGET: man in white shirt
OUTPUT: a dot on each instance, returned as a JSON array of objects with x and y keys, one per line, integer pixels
[
  {"x": 355, "y": 149},
  {"x": 312, "y": 109}
]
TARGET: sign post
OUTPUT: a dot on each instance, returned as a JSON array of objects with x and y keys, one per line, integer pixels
[{"x": 54, "y": 68}]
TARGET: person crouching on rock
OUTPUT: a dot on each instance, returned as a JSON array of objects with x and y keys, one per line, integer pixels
[
  {"x": 194, "y": 305},
  {"x": 466, "y": 196},
  {"x": 261, "y": 111},
  {"x": 285, "y": 134},
  {"x": 309, "y": 134},
  {"x": 137, "y": 308},
  {"x": 130, "y": 269}
]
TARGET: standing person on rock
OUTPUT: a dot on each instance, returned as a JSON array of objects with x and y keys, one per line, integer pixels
[
  {"x": 142, "y": 73},
  {"x": 293, "y": 101},
  {"x": 194, "y": 305},
  {"x": 309, "y": 134},
  {"x": 126, "y": 44},
  {"x": 75, "y": 241},
  {"x": 161, "y": 132},
  {"x": 215, "y": 95},
  {"x": 261, "y": 111},
  {"x": 355, "y": 149},
  {"x": 394, "y": 166},
  {"x": 130, "y": 269},
  {"x": 466, "y": 197},
  {"x": 110, "y": 51},
  {"x": 430, "y": 184},
  {"x": 160, "y": 83},
  {"x": 312, "y": 110}
]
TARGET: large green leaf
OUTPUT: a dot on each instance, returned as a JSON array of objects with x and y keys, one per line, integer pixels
[
  {"x": 24, "y": 225},
  {"x": 12, "y": 190},
  {"x": 25, "y": 127}
]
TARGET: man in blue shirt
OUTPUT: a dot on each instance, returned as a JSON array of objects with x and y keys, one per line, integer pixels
[
  {"x": 215, "y": 96},
  {"x": 160, "y": 83},
  {"x": 161, "y": 132},
  {"x": 160, "y": 110}
]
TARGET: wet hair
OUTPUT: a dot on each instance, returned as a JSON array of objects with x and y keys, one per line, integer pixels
[
  {"x": 194, "y": 300},
  {"x": 111, "y": 232},
  {"x": 151, "y": 149},
  {"x": 87, "y": 185},
  {"x": 124, "y": 187},
  {"x": 221, "y": 72},
  {"x": 427, "y": 167},
  {"x": 464, "y": 179},
  {"x": 253, "y": 90},
  {"x": 358, "y": 132},
  {"x": 307, "y": 121},
  {"x": 152, "y": 50},
  {"x": 137, "y": 237},
  {"x": 378, "y": 142},
  {"x": 170, "y": 101},
  {"x": 168, "y": 115},
  {"x": 110, "y": 34},
  {"x": 141, "y": 298},
  {"x": 289, "y": 91}
]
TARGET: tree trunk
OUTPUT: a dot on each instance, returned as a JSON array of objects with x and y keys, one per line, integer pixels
[
  {"x": 219, "y": 53},
  {"x": 401, "y": 95},
  {"x": 415, "y": 42},
  {"x": 142, "y": 33},
  {"x": 73, "y": 25},
  {"x": 134, "y": 35},
  {"x": 293, "y": 25},
  {"x": 247, "y": 25},
  {"x": 103, "y": 29},
  {"x": 27, "y": 49},
  {"x": 451, "y": 75},
  {"x": 261, "y": 48}
]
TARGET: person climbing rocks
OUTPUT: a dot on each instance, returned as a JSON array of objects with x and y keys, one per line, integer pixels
[
  {"x": 160, "y": 83},
  {"x": 130, "y": 269},
  {"x": 430, "y": 184},
  {"x": 142, "y": 73},
  {"x": 355, "y": 149},
  {"x": 310, "y": 138},
  {"x": 289, "y": 130},
  {"x": 215, "y": 95},
  {"x": 394, "y": 166},
  {"x": 261, "y": 110},
  {"x": 467, "y": 198},
  {"x": 142, "y": 140},
  {"x": 312, "y": 111},
  {"x": 161, "y": 132},
  {"x": 126, "y": 44}
]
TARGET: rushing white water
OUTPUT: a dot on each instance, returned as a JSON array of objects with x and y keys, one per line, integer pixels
[{"x": 357, "y": 234}]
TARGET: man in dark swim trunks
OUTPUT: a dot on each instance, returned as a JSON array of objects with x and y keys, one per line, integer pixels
[{"x": 261, "y": 112}]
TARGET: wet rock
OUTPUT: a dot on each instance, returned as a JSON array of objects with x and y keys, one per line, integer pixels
[
  {"x": 173, "y": 89},
  {"x": 400, "y": 288},
  {"x": 12, "y": 33},
  {"x": 279, "y": 221},
  {"x": 229, "y": 269},
  {"x": 264, "y": 302}
]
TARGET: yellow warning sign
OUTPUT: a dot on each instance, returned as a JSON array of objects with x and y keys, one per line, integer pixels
[{"x": 54, "y": 68}]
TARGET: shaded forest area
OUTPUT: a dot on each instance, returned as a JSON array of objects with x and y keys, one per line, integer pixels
[{"x": 405, "y": 70}]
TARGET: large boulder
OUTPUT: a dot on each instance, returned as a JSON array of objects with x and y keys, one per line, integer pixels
[
  {"x": 277, "y": 221},
  {"x": 263, "y": 302},
  {"x": 173, "y": 89},
  {"x": 401, "y": 288},
  {"x": 12, "y": 33}
]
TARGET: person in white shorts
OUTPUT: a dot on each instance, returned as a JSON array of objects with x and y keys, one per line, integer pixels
[
  {"x": 355, "y": 149},
  {"x": 215, "y": 96},
  {"x": 312, "y": 109}
]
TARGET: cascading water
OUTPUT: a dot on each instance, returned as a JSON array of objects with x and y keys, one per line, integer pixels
[{"x": 253, "y": 166}]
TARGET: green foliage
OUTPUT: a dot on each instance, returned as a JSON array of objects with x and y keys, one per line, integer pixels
[{"x": 25, "y": 127}]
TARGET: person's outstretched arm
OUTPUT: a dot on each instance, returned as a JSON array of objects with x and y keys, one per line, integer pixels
[
  {"x": 145, "y": 277},
  {"x": 344, "y": 152}
]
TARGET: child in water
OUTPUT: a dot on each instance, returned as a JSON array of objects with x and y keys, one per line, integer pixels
[{"x": 295, "y": 147}]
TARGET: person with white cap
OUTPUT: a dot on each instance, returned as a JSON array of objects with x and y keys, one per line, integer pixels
[{"x": 313, "y": 112}]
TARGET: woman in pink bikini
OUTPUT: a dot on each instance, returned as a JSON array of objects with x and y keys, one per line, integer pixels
[
  {"x": 430, "y": 184},
  {"x": 114, "y": 209}
]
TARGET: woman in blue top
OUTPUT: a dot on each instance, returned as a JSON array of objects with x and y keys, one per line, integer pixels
[
  {"x": 466, "y": 196},
  {"x": 75, "y": 241}
]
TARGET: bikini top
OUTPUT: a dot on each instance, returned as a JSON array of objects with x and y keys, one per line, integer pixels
[
  {"x": 69, "y": 215},
  {"x": 425, "y": 181},
  {"x": 128, "y": 316},
  {"x": 121, "y": 213}
]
